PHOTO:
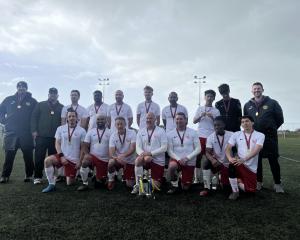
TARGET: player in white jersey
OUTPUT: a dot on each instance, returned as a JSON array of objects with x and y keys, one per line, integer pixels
[
  {"x": 69, "y": 143},
  {"x": 243, "y": 167},
  {"x": 121, "y": 153},
  {"x": 183, "y": 148},
  {"x": 81, "y": 111},
  {"x": 216, "y": 160},
  {"x": 147, "y": 106},
  {"x": 169, "y": 112},
  {"x": 96, "y": 149},
  {"x": 151, "y": 145},
  {"x": 119, "y": 109},
  {"x": 98, "y": 107},
  {"x": 205, "y": 116}
]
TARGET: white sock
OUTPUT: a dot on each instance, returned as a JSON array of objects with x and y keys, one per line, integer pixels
[
  {"x": 207, "y": 178},
  {"x": 84, "y": 172},
  {"x": 111, "y": 176},
  {"x": 50, "y": 175},
  {"x": 61, "y": 171},
  {"x": 234, "y": 184},
  {"x": 175, "y": 183},
  {"x": 139, "y": 171}
]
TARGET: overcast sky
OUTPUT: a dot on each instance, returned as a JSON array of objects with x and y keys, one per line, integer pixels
[{"x": 70, "y": 44}]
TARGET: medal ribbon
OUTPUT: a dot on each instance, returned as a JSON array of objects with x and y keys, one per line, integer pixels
[
  {"x": 181, "y": 138},
  {"x": 118, "y": 111},
  {"x": 122, "y": 140},
  {"x": 150, "y": 136},
  {"x": 147, "y": 108},
  {"x": 226, "y": 107},
  {"x": 100, "y": 137},
  {"x": 173, "y": 114},
  {"x": 75, "y": 108},
  {"x": 248, "y": 141},
  {"x": 70, "y": 134},
  {"x": 220, "y": 143},
  {"x": 97, "y": 108}
]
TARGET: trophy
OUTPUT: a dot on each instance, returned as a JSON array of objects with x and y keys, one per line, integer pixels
[{"x": 146, "y": 186}]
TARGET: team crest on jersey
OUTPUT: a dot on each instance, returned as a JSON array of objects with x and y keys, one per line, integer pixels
[
  {"x": 250, "y": 107},
  {"x": 27, "y": 103},
  {"x": 13, "y": 102},
  {"x": 265, "y": 107}
]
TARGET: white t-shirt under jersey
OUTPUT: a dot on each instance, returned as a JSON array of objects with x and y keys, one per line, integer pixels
[
  {"x": 167, "y": 115},
  {"x": 238, "y": 139},
  {"x": 141, "y": 109},
  {"x": 206, "y": 124},
  {"x": 190, "y": 143},
  {"x": 81, "y": 112},
  {"x": 71, "y": 150},
  {"x": 130, "y": 138},
  {"x": 158, "y": 139},
  {"x": 212, "y": 142},
  {"x": 125, "y": 112},
  {"x": 100, "y": 150},
  {"x": 92, "y": 111}
]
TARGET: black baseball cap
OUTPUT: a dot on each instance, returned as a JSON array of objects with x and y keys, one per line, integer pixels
[
  {"x": 53, "y": 90},
  {"x": 22, "y": 84}
]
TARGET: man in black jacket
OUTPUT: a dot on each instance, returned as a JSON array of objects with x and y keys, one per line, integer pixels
[
  {"x": 268, "y": 117},
  {"x": 45, "y": 119},
  {"x": 230, "y": 109},
  {"x": 15, "y": 114}
]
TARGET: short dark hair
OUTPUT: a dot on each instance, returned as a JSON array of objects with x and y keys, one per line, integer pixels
[
  {"x": 77, "y": 91},
  {"x": 223, "y": 88},
  {"x": 259, "y": 84},
  {"x": 97, "y": 91},
  {"x": 181, "y": 114},
  {"x": 219, "y": 118},
  {"x": 71, "y": 110},
  {"x": 210, "y": 91},
  {"x": 148, "y": 88},
  {"x": 247, "y": 117},
  {"x": 120, "y": 118}
]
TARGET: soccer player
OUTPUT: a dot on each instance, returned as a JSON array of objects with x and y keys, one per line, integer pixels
[
  {"x": 169, "y": 112},
  {"x": 97, "y": 140},
  {"x": 216, "y": 160},
  {"x": 69, "y": 143},
  {"x": 205, "y": 116},
  {"x": 268, "y": 117},
  {"x": 99, "y": 107},
  {"x": 230, "y": 108},
  {"x": 151, "y": 145},
  {"x": 121, "y": 153},
  {"x": 243, "y": 167},
  {"x": 45, "y": 119},
  {"x": 15, "y": 114},
  {"x": 147, "y": 106},
  {"x": 183, "y": 148},
  {"x": 81, "y": 111},
  {"x": 119, "y": 109}
]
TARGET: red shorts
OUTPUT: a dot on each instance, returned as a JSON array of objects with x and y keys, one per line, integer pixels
[
  {"x": 101, "y": 167},
  {"x": 247, "y": 177},
  {"x": 128, "y": 171},
  {"x": 224, "y": 173},
  {"x": 157, "y": 171},
  {"x": 187, "y": 172},
  {"x": 203, "y": 145},
  {"x": 70, "y": 167}
]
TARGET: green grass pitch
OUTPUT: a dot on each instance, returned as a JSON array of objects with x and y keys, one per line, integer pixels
[{"x": 26, "y": 213}]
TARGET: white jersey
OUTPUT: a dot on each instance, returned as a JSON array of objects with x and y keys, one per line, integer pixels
[
  {"x": 71, "y": 150},
  {"x": 187, "y": 148},
  {"x": 115, "y": 111},
  {"x": 81, "y": 112},
  {"x": 219, "y": 146},
  {"x": 206, "y": 124},
  {"x": 93, "y": 110},
  {"x": 157, "y": 142},
  {"x": 143, "y": 108},
  {"x": 99, "y": 143},
  {"x": 116, "y": 141},
  {"x": 239, "y": 140},
  {"x": 169, "y": 113}
]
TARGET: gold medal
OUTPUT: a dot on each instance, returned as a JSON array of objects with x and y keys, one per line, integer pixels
[
  {"x": 52, "y": 112},
  {"x": 19, "y": 106},
  {"x": 69, "y": 142},
  {"x": 256, "y": 114}
]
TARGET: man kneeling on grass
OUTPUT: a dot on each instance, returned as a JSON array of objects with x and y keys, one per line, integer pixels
[
  {"x": 243, "y": 167},
  {"x": 121, "y": 153},
  {"x": 68, "y": 144}
]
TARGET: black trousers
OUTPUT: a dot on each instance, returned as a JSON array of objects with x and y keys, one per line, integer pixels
[
  {"x": 274, "y": 165},
  {"x": 43, "y": 144},
  {"x": 10, "y": 157}
]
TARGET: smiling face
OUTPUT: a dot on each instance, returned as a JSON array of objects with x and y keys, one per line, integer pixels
[
  {"x": 119, "y": 96},
  {"x": 173, "y": 98},
  {"x": 257, "y": 90},
  {"x": 219, "y": 127},
  {"x": 150, "y": 120},
  {"x": 74, "y": 96},
  {"x": 181, "y": 121},
  {"x": 101, "y": 121},
  {"x": 247, "y": 124},
  {"x": 72, "y": 119}
]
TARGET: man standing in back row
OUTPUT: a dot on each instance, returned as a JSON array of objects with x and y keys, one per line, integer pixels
[{"x": 268, "y": 117}]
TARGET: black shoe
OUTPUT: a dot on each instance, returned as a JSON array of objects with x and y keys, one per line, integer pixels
[
  {"x": 172, "y": 190},
  {"x": 4, "y": 179},
  {"x": 60, "y": 179},
  {"x": 27, "y": 179},
  {"x": 83, "y": 187}
]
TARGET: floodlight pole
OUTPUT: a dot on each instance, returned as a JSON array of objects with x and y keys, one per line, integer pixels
[
  {"x": 199, "y": 81},
  {"x": 103, "y": 82}
]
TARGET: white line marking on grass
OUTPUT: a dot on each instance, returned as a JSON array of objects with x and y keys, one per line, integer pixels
[{"x": 290, "y": 159}]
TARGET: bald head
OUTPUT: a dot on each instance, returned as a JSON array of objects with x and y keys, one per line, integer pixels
[
  {"x": 119, "y": 95},
  {"x": 101, "y": 120},
  {"x": 150, "y": 120}
]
